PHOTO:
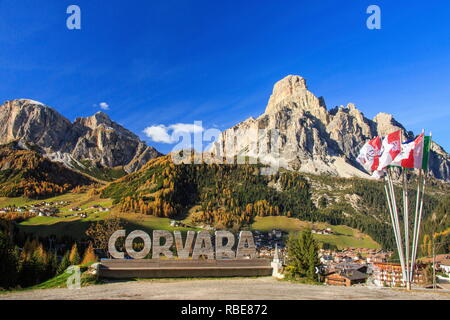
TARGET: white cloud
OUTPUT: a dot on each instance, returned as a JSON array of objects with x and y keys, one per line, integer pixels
[
  {"x": 158, "y": 133},
  {"x": 103, "y": 106},
  {"x": 186, "y": 127},
  {"x": 169, "y": 134}
]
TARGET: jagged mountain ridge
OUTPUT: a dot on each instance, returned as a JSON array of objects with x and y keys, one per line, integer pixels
[
  {"x": 312, "y": 138},
  {"x": 96, "y": 138},
  {"x": 316, "y": 140}
]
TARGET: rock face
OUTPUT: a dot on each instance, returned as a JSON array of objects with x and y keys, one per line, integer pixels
[
  {"x": 96, "y": 138},
  {"x": 312, "y": 139}
]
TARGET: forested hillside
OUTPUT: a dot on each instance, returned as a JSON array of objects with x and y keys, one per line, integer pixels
[
  {"x": 27, "y": 173},
  {"x": 230, "y": 196},
  {"x": 223, "y": 195}
]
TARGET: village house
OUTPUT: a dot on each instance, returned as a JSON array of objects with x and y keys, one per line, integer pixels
[
  {"x": 377, "y": 258},
  {"x": 322, "y": 231},
  {"x": 351, "y": 266},
  {"x": 390, "y": 275},
  {"x": 326, "y": 259},
  {"x": 46, "y": 212},
  {"x": 345, "y": 278}
]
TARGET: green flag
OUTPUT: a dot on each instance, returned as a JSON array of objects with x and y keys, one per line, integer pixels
[{"x": 426, "y": 152}]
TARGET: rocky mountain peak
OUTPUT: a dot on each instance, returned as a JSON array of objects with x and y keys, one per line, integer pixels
[
  {"x": 349, "y": 109},
  {"x": 94, "y": 121},
  {"x": 100, "y": 115},
  {"x": 31, "y": 121},
  {"x": 26, "y": 102},
  {"x": 383, "y": 117},
  {"x": 289, "y": 85},
  {"x": 386, "y": 124},
  {"x": 292, "y": 93},
  {"x": 290, "y": 88},
  {"x": 311, "y": 139},
  {"x": 96, "y": 138}
]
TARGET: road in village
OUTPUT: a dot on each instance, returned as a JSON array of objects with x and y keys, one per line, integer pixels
[{"x": 215, "y": 289}]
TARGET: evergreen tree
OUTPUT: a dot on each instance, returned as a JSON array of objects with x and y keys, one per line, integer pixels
[
  {"x": 74, "y": 256},
  {"x": 9, "y": 262},
  {"x": 39, "y": 262},
  {"x": 302, "y": 255},
  {"x": 65, "y": 263},
  {"x": 52, "y": 264}
]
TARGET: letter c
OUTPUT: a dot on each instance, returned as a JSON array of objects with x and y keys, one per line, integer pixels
[{"x": 112, "y": 244}]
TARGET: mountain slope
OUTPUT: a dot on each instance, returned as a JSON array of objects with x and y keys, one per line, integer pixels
[
  {"x": 25, "y": 172},
  {"x": 225, "y": 195},
  {"x": 313, "y": 139},
  {"x": 97, "y": 139},
  {"x": 231, "y": 196}
]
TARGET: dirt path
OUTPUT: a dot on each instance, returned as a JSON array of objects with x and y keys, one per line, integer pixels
[{"x": 245, "y": 289}]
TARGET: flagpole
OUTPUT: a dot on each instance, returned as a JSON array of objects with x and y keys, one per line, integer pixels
[
  {"x": 423, "y": 195},
  {"x": 406, "y": 221},
  {"x": 420, "y": 209},
  {"x": 415, "y": 230},
  {"x": 391, "y": 213},
  {"x": 405, "y": 227},
  {"x": 397, "y": 224}
]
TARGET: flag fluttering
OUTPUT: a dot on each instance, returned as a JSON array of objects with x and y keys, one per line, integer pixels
[
  {"x": 377, "y": 158},
  {"x": 390, "y": 149},
  {"x": 414, "y": 154},
  {"x": 370, "y": 154}
]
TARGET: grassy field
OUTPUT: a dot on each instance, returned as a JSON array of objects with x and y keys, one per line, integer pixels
[
  {"x": 76, "y": 227},
  {"x": 67, "y": 225},
  {"x": 64, "y": 223},
  {"x": 19, "y": 201},
  {"x": 76, "y": 200},
  {"x": 60, "y": 281},
  {"x": 344, "y": 236},
  {"x": 281, "y": 223}
]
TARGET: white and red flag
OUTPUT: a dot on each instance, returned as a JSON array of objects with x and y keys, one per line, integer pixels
[
  {"x": 390, "y": 149},
  {"x": 370, "y": 153},
  {"x": 414, "y": 154}
]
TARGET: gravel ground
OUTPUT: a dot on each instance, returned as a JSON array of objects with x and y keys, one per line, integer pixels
[{"x": 265, "y": 288}]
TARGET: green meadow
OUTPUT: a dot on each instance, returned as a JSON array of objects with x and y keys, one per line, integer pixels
[{"x": 344, "y": 237}]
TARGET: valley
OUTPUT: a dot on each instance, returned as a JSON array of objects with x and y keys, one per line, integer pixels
[
  {"x": 64, "y": 224},
  {"x": 233, "y": 197}
]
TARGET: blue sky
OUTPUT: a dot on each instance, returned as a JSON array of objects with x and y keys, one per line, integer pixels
[{"x": 170, "y": 62}]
